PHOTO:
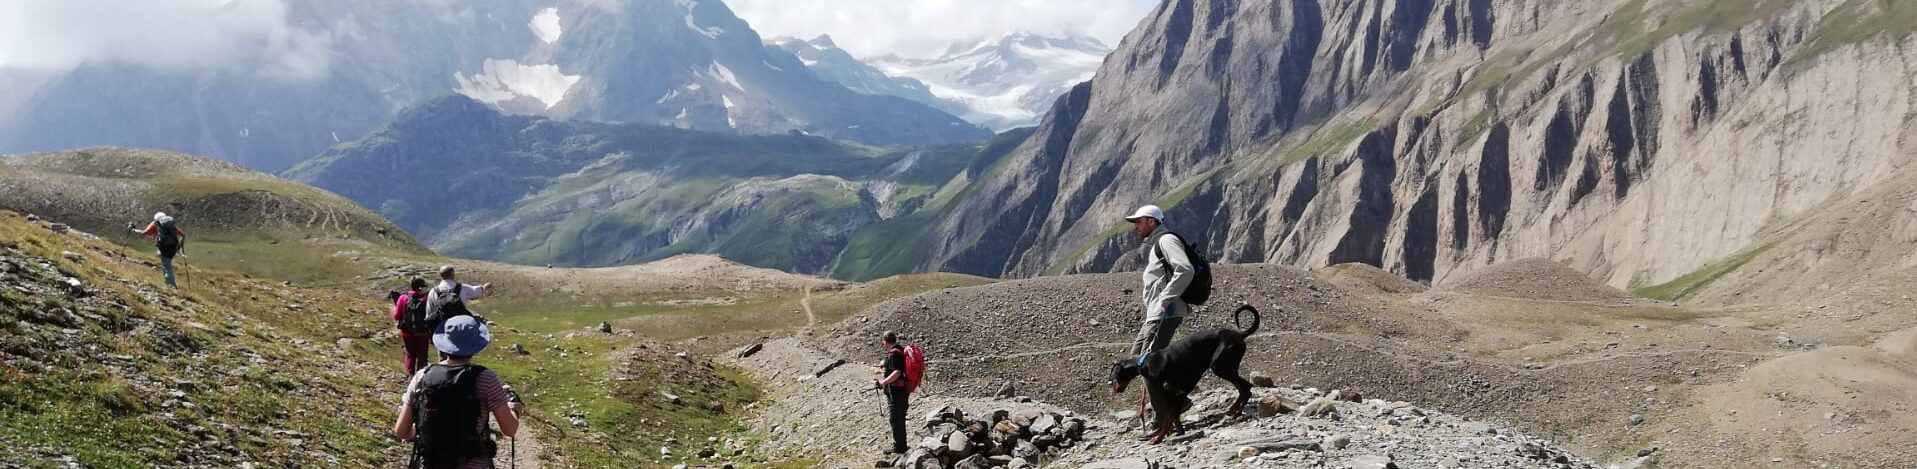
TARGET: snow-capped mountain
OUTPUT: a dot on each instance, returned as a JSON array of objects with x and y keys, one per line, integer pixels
[
  {"x": 685, "y": 63},
  {"x": 1005, "y": 82},
  {"x": 833, "y": 64}
]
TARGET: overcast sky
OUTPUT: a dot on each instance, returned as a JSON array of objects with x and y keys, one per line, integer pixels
[
  {"x": 926, "y": 27},
  {"x": 254, "y": 34},
  {"x": 166, "y": 34}
]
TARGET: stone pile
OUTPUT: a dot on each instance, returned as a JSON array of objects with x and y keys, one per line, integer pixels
[{"x": 950, "y": 439}]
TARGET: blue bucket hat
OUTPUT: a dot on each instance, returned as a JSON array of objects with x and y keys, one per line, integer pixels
[{"x": 462, "y": 336}]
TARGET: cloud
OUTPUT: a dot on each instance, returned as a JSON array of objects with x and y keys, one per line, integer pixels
[
  {"x": 174, "y": 35},
  {"x": 924, "y": 28}
]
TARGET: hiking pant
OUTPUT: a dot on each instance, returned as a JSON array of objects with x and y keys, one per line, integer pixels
[
  {"x": 1156, "y": 334},
  {"x": 416, "y": 350},
  {"x": 166, "y": 264},
  {"x": 896, "y": 402}
]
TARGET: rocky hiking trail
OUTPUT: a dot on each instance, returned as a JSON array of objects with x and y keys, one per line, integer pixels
[
  {"x": 526, "y": 453},
  {"x": 824, "y": 408}
]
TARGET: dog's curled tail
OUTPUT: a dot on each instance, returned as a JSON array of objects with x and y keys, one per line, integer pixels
[{"x": 1239, "y": 317}]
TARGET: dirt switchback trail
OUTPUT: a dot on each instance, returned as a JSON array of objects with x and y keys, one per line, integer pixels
[{"x": 805, "y": 302}]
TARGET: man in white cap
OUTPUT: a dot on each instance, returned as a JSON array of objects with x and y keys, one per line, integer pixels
[
  {"x": 448, "y": 299},
  {"x": 1167, "y": 272}
]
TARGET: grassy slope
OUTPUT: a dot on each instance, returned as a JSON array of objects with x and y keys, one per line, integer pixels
[
  {"x": 97, "y": 388},
  {"x": 235, "y": 219}
]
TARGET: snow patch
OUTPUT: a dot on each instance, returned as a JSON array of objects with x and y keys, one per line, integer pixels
[
  {"x": 546, "y": 25},
  {"x": 774, "y": 67},
  {"x": 692, "y": 22},
  {"x": 725, "y": 75},
  {"x": 505, "y": 80},
  {"x": 727, "y": 101}
]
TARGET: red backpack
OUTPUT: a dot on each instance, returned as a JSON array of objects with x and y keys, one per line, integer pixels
[{"x": 914, "y": 367}]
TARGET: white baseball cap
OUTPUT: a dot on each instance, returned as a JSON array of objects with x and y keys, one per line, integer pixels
[{"x": 1147, "y": 211}]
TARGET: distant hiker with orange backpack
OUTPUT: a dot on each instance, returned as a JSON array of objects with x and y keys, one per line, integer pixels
[
  {"x": 904, "y": 368},
  {"x": 168, "y": 238},
  {"x": 409, "y": 315}
]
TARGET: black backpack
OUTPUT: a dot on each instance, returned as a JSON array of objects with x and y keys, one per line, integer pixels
[
  {"x": 447, "y": 417},
  {"x": 1199, "y": 291},
  {"x": 412, "y": 317},
  {"x": 447, "y": 307},
  {"x": 169, "y": 242}
]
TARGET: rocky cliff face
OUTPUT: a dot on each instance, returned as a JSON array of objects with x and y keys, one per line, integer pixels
[{"x": 1638, "y": 141}]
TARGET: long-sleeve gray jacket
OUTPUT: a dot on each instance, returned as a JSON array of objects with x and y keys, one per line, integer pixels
[{"x": 1164, "y": 285}]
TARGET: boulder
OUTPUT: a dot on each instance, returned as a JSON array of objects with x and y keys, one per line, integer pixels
[
  {"x": 828, "y": 368},
  {"x": 1279, "y": 445},
  {"x": 958, "y": 444},
  {"x": 973, "y": 462},
  {"x": 944, "y": 430},
  {"x": 1131, "y": 463},
  {"x": 914, "y": 456},
  {"x": 1044, "y": 424},
  {"x": 751, "y": 350},
  {"x": 1317, "y": 407},
  {"x": 999, "y": 416},
  {"x": 1271, "y": 406},
  {"x": 1006, "y": 391},
  {"x": 1075, "y": 429},
  {"x": 1027, "y": 451},
  {"x": 72, "y": 256},
  {"x": 937, "y": 415},
  {"x": 1024, "y": 418},
  {"x": 605, "y": 327},
  {"x": 1370, "y": 461},
  {"x": 1336, "y": 442},
  {"x": 1262, "y": 380}
]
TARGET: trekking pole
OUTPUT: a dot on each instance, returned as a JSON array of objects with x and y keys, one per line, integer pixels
[{"x": 512, "y": 443}]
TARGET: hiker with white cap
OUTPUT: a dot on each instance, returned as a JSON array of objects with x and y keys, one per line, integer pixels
[
  {"x": 168, "y": 238},
  {"x": 448, "y": 299},
  {"x": 445, "y": 408},
  {"x": 1175, "y": 278},
  {"x": 1167, "y": 272}
]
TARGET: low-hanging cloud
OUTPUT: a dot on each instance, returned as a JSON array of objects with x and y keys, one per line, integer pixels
[
  {"x": 921, "y": 28},
  {"x": 173, "y": 35}
]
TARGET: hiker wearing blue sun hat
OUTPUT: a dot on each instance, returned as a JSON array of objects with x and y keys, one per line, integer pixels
[{"x": 445, "y": 407}]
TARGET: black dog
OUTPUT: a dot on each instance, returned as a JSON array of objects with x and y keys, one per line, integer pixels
[{"x": 1172, "y": 373}]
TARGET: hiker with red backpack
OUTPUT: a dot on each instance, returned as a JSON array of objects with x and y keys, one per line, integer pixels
[
  {"x": 903, "y": 369},
  {"x": 445, "y": 411},
  {"x": 409, "y": 315}
]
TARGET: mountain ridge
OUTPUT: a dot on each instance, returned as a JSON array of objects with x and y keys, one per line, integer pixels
[{"x": 689, "y": 63}]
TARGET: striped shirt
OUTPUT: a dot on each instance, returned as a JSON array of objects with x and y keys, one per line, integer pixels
[{"x": 492, "y": 398}]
